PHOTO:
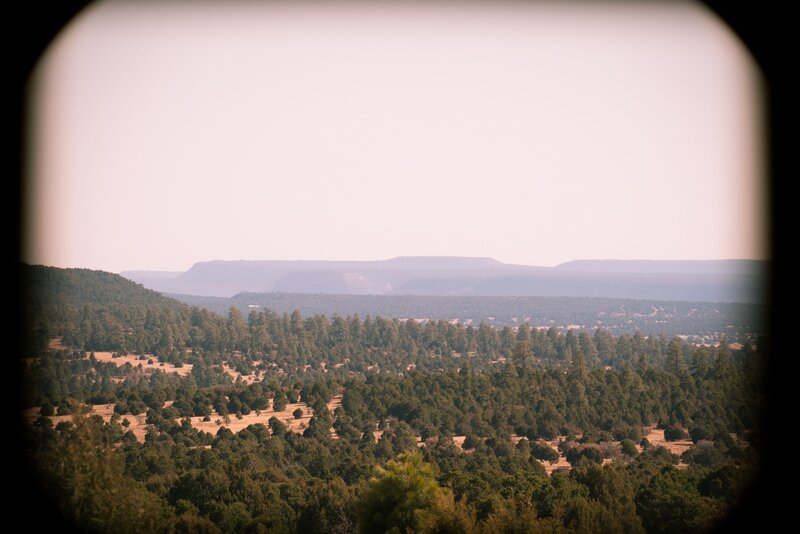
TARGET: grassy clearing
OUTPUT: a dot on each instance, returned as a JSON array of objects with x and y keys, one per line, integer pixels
[
  {"x": 236, "y": 424},
  {"x": 149, "y": 364},
  {"x": 138, "y": 423}
]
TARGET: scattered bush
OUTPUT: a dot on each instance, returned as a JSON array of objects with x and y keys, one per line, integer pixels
[{"x": 674, "y": 433}]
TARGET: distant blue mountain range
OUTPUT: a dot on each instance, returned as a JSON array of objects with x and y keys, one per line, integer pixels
[{"x": 701, "y": 281}]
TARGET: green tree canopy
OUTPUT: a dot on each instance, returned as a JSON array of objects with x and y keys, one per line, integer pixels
[{"x": 402, "y": 497}]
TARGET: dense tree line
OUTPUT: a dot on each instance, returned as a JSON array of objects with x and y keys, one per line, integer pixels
[
  {"x": 506, "y": 390},
  {"x": 620, "y": 316},
  {"x": 89, "y": 307},
  {"x": 292, "y": 348},
  {"x": 711, "y": 401},
  {"x": 289, "y": 482},
  {"x": 285, "y": 481},
  {"x": 103, "y": 311}
]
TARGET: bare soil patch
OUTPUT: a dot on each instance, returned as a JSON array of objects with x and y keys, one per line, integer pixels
[
  {"x": 138, "y": 423},
  {"x": 561, "y": 463},
  {"x": 56, "y": 344},
  {"x": 656, "y": 438},
  {"x": 247, "y": 379},
  {"x": 135, "y": 361},
  {"x": 150, "y": 363},
  {"x": 234, "y": 424}
]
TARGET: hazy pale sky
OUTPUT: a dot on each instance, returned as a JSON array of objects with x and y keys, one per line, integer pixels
[{"x": 532, "y": 133}]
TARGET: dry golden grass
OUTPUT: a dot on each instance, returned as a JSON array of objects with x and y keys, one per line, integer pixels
[
  {"x": 134, "y": 360},
  {"x": 235, "y": 424},
  {"x": 656, "y": 438},
  {"x": 256, "y": 376},
  {"x": 56, "y": 344},
  {"x": 138, "y": 423},
  {"x": 561, "y": 463}
]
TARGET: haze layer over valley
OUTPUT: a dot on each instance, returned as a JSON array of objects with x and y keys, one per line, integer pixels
[{"x": 702, "y": 281}]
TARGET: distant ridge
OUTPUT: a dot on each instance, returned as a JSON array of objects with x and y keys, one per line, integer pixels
[
  {"x": 755, "y": 267},
  {"x": 443, "y": 262},
  {"x": 152, "y": 274},
  {"x": 706, "y": 281}
]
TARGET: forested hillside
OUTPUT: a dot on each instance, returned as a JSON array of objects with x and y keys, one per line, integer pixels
[
  {"x": 424, "y": 426},
  {"x": 52, "y": 288},
  {"x": 88, "y": 306}
]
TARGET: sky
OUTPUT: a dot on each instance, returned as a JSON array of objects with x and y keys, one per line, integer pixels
[{"x": 163, "y": 134}]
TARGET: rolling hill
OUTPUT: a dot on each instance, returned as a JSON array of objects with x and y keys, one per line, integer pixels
[{"x": 44, "y": 286}]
